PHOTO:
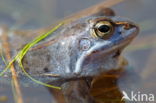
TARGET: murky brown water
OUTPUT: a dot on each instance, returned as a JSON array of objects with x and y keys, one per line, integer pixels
[{"x": 141, "y": 54}]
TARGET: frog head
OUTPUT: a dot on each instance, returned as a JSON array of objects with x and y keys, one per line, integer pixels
[{"x": 99, "y": 42}]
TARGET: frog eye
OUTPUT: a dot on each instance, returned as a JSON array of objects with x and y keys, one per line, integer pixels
[{"x": 103, "y": 29}]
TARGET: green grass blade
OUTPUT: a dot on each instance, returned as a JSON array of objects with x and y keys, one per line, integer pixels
[{"x": 23, "y": 52}]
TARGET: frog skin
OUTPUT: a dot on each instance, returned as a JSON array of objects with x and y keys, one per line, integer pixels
[{"x": 79, "y": 50}]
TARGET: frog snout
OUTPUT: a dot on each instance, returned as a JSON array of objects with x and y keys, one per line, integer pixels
[
  {"x": 128, "y": 30},
  {"x": 132, "y": 26}
]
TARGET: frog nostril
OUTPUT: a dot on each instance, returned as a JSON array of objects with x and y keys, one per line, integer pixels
[
  {"x": 126, "y": 25},
  {"x": 129, "y": 26}
]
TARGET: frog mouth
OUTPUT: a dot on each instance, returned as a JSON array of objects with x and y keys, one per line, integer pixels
[{"x": 115, "y": 50}]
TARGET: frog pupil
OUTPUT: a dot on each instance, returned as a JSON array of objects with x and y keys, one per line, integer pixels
[{"x": 104, "y": 28}]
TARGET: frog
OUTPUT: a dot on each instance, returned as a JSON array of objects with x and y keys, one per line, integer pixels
[{"x": 78, "y": 51}]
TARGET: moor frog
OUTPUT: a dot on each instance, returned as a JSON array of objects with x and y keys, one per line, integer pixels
[{"x": 79, "y": 50}]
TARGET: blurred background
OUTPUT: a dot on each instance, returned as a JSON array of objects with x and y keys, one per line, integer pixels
[{"x": 141, "y": 54}]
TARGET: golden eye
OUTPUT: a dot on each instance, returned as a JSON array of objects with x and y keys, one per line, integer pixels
[{"x": 103, "y": 29}]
